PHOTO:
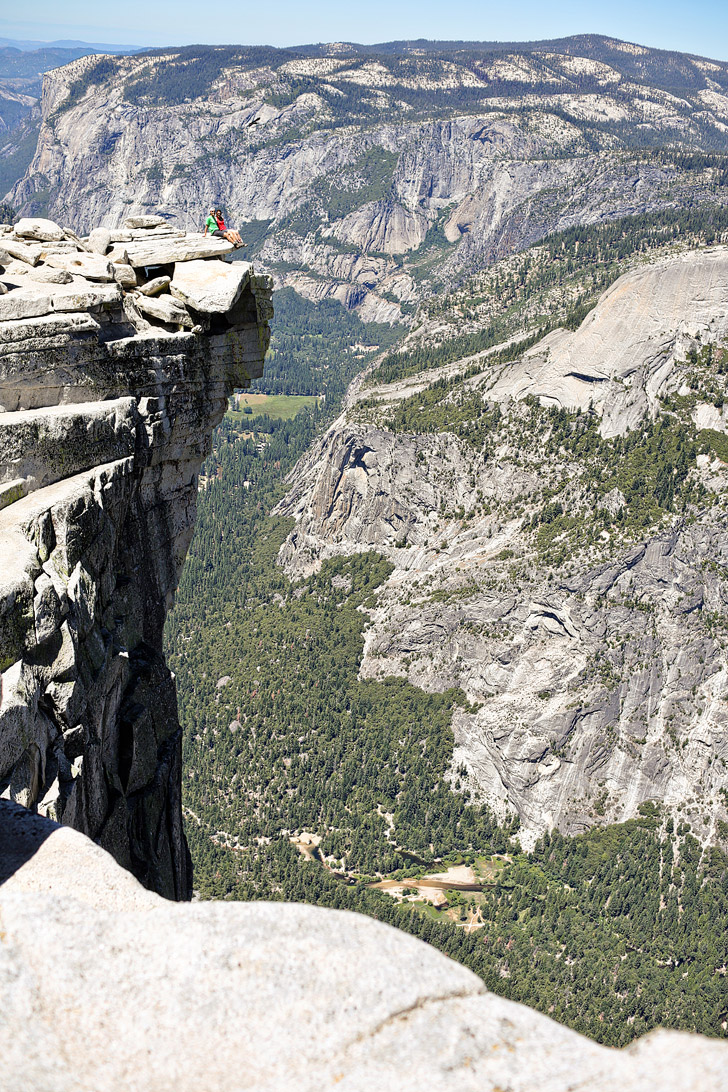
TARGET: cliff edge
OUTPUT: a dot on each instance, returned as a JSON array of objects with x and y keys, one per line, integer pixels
[{"x": 117, "y": 355}]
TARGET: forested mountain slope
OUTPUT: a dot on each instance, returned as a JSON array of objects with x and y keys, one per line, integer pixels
[
  {"x": 556, "y": 525},
  {"x": 373, "y": 176}
]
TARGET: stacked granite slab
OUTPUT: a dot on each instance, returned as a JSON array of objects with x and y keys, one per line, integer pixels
[{"x": 117, "y": 356}]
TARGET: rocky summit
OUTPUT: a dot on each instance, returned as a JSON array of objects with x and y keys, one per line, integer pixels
[{"x": 117, "y": 355}]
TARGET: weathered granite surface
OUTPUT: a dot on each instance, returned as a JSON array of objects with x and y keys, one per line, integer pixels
[
  {"x": 599, "y": 684},
  {"x": 107, "y": 417},
  {"x": 107, "y": 987}
]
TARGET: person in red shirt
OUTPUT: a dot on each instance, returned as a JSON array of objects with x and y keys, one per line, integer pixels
[
  {"x": 230, "y": 234},
  {"x": 215, "y": 225}
]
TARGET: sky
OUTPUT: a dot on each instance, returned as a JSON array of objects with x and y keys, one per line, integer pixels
[{"x": 690, "y": 26}]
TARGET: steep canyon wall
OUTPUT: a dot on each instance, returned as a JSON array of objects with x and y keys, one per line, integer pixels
[{"x": 108, "y": 415}]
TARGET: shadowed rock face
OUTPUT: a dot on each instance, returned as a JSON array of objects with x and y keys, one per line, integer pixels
[
  {"x": 108, "y": 415},
  {"x": 265, "y": 996}
]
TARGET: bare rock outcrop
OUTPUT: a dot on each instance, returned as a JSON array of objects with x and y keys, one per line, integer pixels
[
  {"x": 107, "y": 408},
  {"x": 264, "y": 996},
  {"x": 621, "y": 358}
]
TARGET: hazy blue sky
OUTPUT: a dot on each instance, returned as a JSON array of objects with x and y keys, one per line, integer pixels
[{"x": 693, "y": 26}]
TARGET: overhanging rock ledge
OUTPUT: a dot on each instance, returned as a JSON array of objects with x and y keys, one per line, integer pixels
[{"x": 111, "y": 381}]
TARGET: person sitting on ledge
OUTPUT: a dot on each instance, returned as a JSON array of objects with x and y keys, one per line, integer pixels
[{"x": 216, "y": 227}]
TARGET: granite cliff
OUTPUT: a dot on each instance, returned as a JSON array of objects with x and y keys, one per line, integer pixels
[
  {"x": 545, "y": 560},
  {"x": 117, "y": 355},
  {"x": 373, "y": 177}
]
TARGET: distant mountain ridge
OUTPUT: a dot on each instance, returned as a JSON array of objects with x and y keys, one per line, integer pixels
[
  {"x": 647, "y": 62},
  {"x": 374, "y": 178}
]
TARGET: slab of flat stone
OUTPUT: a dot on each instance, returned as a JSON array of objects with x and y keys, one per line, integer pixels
[
  {"x": 155, "y": 233},
  {"x": 125, "y": 275},
  {"x": 45, "y": 275},
  {"x": 211, "y": 287},
  {"x": 145, "y": 222},
  {"x": 165, "y": 309},
  {"x": 120, "y": 235},
  {"x": 35, "y": 227},
  {"x": 47, "y": 327},
  {"x": 65, "y": 246},
  {"x": 24, "y": 252},
  {"x": 25, "y": 302},
  {"x": 94, "y": 267},
  {"x": 155, "y": 286},
  {"x": 81, "y": 296},
  {"x": 167, "y": 250}
]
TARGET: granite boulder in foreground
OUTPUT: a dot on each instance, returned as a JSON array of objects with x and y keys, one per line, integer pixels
[{"x": 109, "y": 987}]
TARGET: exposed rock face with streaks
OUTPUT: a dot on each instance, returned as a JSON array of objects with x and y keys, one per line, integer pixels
[
  {"x": 600, "y": 681},
  {"x": 375, "y": 181},
  {"x": 107, "y": 414}
]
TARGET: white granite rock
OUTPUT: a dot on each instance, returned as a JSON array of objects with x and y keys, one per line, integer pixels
[
  {"x": 45, "y": 275},
  {"x": 39, "y": 229},
  {"x": 118, "y": 255},
  {"x": 165, "y": 309},
  {"x": 154, "y": 996},
  {"x": 211, "y": 287},
  {"x": 145, "y": 222},
  {"x": 24, "y": 252},
  {"x": 165, "y": 250},
  {"x": 99, "y": 240},
  {"x": 92, "y": 266},
  {"x": 125, "y": 275},
  {"x": 25, "y": 302},
  {"x": 155, "y": 286},
  {"x": 82, "y": 296}
]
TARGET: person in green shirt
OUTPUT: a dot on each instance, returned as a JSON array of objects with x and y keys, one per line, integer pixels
[{"x": 215, "y": 225}]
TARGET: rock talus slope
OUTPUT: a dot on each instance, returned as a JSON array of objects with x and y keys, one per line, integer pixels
[
  {"x": 266, "y": 996},
  {"x": 599, "y": 680},
  {"x": 107, "y": 416}
]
